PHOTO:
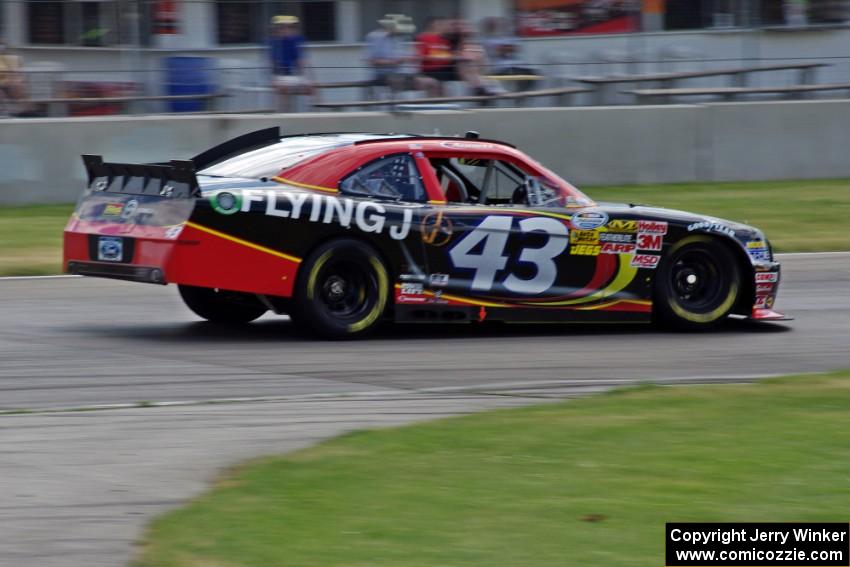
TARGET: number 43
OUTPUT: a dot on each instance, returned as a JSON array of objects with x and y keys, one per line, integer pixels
[{"x": 494, "y": 231}]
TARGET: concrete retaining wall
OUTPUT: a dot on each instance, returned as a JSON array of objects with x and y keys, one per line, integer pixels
[{"x": 40, "y": 163}]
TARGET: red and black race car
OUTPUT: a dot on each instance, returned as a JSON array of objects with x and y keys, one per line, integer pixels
[{"x": 342, "y": 231}]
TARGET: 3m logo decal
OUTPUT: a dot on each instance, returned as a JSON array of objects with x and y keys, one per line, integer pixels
[{"x": 646, "y": 241}]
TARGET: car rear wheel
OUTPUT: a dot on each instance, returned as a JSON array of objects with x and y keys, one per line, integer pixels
[
  {"x": 221, "y": 306},
  {"x": 342, "y": 290},
  {"x": 697, "y": 284}
]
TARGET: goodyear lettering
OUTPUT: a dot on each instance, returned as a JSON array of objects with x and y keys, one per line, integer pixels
[
  {"x": 585, "y": 250},
  {"x": 621, "y": 225},
  {"x": 617, "y": 248},
  {"x": 645, "y": 261},
  {"x": 646, "y": 241},
  {"x": 584, "y": 237},
  {"x": 652, "y": 227},
  {"x": 368, "y": 216},
  {"x": 712, "y": 226}
]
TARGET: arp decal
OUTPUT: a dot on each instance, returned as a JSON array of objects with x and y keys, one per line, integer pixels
[
  {"x": 589, "y": 220},
  {"x": 617, "y": 248},
  {"x": 645, "y": 261}
]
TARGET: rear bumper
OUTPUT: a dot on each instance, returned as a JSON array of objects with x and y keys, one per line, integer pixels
[{"x": 143, "y": 274}]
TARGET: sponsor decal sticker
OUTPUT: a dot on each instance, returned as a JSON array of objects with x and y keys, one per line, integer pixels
[
  {"x": 621, "y": 225},
  {"x": 584, "y": 237},
  {"x": 436, "y": 229},
  {"x": 226, "y": 203},
  {"x": 438, "y": 280},
  {"x": 764, "y": 288},
  {"x": 652, "y": 227},
  {"x": 466, "y": 145},
  {"x": 110, "y": 249},
  {"x": 368, "y": 216},
  {"x": 589, "y": 220},
  {"x": 758, "y": 244},
  {"x": 616, "y": 237},
  {"x": 129, "y": 209},
  {"x": 767, "y": 277},
  {"x": 617, "y": 248},
  {"x": 711, "y": 226},
  {"x": 649, "y": 241},
  {"x": 113, "y": 209},
  {"x": 585, "y": 250},
  {"x": 412, "y": 277},
  {"x": 412, "y": 293},
  {"x": 173, "y": 232},
  {"x": 645, "y": 261}
]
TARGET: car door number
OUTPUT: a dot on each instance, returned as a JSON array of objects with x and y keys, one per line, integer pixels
[{"x": 492, "y": 235}]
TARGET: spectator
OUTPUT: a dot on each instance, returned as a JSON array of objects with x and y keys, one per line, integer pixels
[
  {"x": 468, "y": 56},
  {"x": 391, "y": 59},
  {"x": 435, "y": 56},
  {"x": 502, "y": 48},
  {"x": 286, "y": 51},
  {"x": 12, "y": 82}
]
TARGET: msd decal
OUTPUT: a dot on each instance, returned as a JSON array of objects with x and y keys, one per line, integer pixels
[{"x": 645, "y": 261}]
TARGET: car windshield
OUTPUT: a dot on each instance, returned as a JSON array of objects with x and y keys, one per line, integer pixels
[
  {"x": 270, "y": 160},
  {"x": 544, "y": 192}
]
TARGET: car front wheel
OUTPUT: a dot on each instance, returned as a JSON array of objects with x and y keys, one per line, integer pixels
[{"x": 697, "y": 284}]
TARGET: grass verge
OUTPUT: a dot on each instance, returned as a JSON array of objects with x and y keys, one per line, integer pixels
[
  {"x": 31, "y": 239},
  {"x": 587, "y": 482},
  {"x": 797, "y": 216}
]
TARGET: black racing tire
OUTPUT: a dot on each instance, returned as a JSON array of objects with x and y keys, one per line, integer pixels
[
  {"x": 221, "y": 306},
  {"x": 697, "y": 284},
  {"x": 342, "y": 290}
]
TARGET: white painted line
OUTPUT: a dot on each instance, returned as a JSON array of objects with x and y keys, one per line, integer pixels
[
  {"x": 57, "y": 277},
  {"x": 477, "y": 390},
  {"x": 795, "y": 254}
]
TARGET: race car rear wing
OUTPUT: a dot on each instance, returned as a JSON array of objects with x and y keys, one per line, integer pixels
[{"x": 174, "y": 179}]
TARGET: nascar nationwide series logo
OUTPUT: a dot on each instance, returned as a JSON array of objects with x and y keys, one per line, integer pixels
[{"x": 367, "y": 216}]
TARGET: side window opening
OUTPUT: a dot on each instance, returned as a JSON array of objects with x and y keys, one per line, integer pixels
[{"x": 392, "y": 177}]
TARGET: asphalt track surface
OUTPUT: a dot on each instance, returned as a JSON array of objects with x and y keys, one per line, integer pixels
[{"x": 77, "y": 487}]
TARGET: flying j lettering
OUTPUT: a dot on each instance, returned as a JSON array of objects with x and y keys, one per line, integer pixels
[{"x": 367, "y": 216}]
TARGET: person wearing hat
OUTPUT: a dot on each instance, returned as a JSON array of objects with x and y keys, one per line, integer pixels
[
  {"x": 391, "y": 58},
  {"x": 286, "y": 52}
]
